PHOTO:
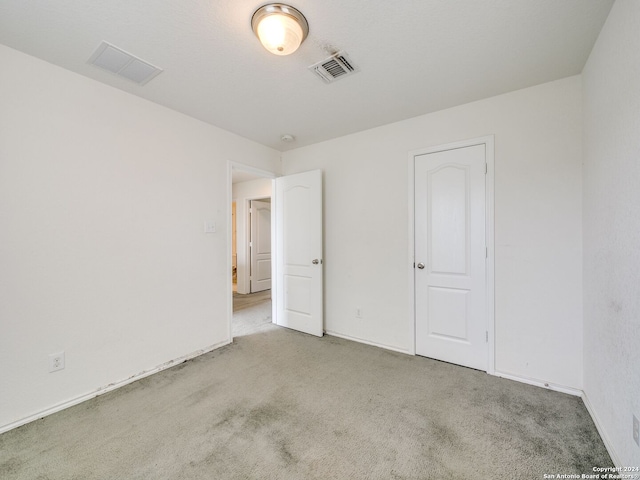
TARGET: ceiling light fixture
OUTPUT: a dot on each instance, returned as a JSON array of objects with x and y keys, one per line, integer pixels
[{"x": 280, "y": 28}]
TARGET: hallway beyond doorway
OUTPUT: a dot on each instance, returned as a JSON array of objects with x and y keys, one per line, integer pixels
[{"x": 251, "y": 313}]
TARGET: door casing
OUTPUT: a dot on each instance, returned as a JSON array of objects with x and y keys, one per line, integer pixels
[
  {"x": 488, "y": 141},
  {"x": 231, "y": 166}
]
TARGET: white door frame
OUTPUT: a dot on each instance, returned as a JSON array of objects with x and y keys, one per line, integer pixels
[
  {"x": 231, "y": 166},
  {"x": 488, "y": 141}
]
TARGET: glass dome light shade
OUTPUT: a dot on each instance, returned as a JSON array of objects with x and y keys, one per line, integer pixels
[
  {"x": 280, "y": 34},
  {"x": 280, "y": 28}
]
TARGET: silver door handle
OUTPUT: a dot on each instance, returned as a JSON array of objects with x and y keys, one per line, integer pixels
[
  {"x": 420, "y": 266},
  {"x": 315, "y": 261}
]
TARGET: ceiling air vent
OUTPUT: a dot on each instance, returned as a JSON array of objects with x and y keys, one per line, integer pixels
[
  {"x": 334, "y": 68},
  {"x": 123, "y": 64}
]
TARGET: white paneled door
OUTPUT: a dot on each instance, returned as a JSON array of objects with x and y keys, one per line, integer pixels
[
  {"x": 450, "y": 256},
  {"x": 298, "y": 238},
  {"x": 260, "y": 245}
]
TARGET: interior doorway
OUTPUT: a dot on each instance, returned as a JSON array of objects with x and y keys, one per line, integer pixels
[
  {"x": 250, "y": 256},
  {"x": 296, "y": 237}
]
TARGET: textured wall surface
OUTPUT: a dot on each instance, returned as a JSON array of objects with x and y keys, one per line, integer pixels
[
  {"x": 103, "y": 197},
  {"x": 538, "y": 255},
  {"x": 612, "y": 228}
]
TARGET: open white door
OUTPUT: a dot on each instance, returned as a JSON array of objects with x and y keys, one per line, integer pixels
[
  {"x": 298, "y": 238},
  {"x": 260, "y": 245}
]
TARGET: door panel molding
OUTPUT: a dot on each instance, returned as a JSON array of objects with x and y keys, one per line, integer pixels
[
  {"x": 488, "y": 142},
  {"x": 260, "y": 244}
]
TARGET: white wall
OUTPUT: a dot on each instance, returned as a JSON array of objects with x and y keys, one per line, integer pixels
[
  {"x": 611, "y": 226},
  {"x": 103, "y": 197},
  {"x": 243, "y": 192},
  {"x": 537, "y": 226}
]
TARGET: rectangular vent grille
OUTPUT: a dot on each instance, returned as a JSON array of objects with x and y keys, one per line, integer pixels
[
  {"x": 123, "y": 64},
  {"x": 335, "y": 67}
]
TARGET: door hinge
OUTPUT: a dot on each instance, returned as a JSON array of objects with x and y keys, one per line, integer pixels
[
  {"x": 486, "y": 168},
  {"x": 486, "y": 252},
  {"x": 487, "y": 336}
]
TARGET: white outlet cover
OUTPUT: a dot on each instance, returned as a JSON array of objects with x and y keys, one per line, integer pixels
[
  {"x": 56, "y": 361},
  {"x": 209, "y": 227}
]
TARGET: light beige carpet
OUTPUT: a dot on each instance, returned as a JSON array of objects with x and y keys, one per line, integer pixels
[
  {"x": 278, "y": 404},
  {"x": 241, "y": 301}
]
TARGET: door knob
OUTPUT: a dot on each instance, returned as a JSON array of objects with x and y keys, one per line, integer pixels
[
  {"x": 421, "y": 266},
  {"x": 315, "y": 261}
]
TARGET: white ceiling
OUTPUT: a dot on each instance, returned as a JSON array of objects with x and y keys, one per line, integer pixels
[
  {"x": 415, "y": 56},
  {"x": 239, "y": 176}
]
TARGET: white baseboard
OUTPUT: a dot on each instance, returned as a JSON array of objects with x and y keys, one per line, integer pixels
[
  {"x": 603, "y": 434},
  {"x": 109, "y": 388},
  {"x": 539, "y": 383},
  {"x": 367, "y": 342}
]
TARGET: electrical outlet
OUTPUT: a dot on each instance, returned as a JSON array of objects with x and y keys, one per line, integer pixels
[
  {"x": 56, "y": 362},
  {"x": 636, "y": 430},
  {"x": 209, "y": 227},
  {"x": 358, "y": 312}
]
